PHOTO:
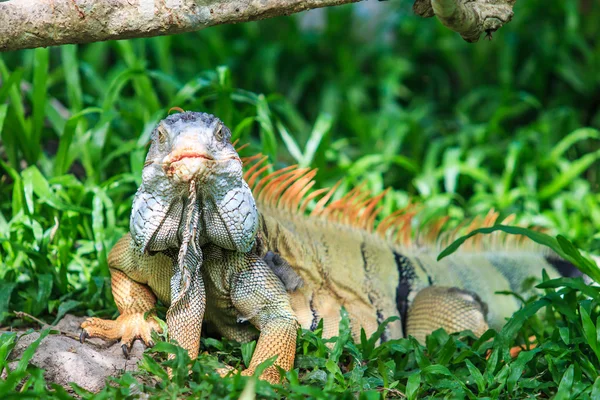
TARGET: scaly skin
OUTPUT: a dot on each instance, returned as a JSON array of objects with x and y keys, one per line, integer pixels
[
  {"x": 332, "y": 258},
  {"x": 374, "y": 279},
  {"x": 239, "y": 286},
  {"x": 193, "y": 200}
]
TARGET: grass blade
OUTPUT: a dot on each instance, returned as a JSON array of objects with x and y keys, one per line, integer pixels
[
  {"x": 321, "y": 128},
  {"x": 39, "y": 97},
  {"x": 70, "y": 64},
  {"x": 567, "y": 176}
]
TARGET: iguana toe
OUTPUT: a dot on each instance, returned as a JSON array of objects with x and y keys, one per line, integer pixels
[{"x": 125, "y": 328}]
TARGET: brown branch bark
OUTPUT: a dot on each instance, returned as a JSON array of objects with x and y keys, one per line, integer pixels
[
  {"x": 470, "y": 18},
  {"x": 39, "y": 23}
]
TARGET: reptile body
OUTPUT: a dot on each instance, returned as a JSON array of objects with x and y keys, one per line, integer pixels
[{"x": 336, "y": 256}]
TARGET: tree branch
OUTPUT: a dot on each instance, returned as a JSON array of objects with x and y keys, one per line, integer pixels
[
  {"x": 37, "y": 23},
  {"x": 470, "y": 18}
]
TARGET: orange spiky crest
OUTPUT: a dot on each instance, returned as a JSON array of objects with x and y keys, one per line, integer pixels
[
  {"x": 291, "y": 189},
  {"x": 178, "y": 109}
]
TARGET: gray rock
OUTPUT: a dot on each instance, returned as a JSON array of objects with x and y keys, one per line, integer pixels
[{"x": 65, "y": 359}]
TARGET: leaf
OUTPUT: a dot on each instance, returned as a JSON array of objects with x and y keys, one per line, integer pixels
[
  {"x": 153, "y": 367},
  {"x": 515, "y": 230},
  {"x": 343, "y": 336},
  {"x": 267, "y": 133},
  {"x": 577, "y": 284},
  {"x": 8, "y": 340},
  {"x": 451, "y": 169},
  {"x": 70, "y": 64},
  {"x": 589, "y": 330},
  {"x": 510, "y": 329},
  {"x": 412, "y": 386},
  {"x": 334, "y": 370},
  {"x": 369, "y": 344},
  {"x": 39, "y": 97},
  {"x": 369, "y": 395},
  {"x": 64, "y": 157},
  {"x": 290, "y": 143},
  {"x": 30, "y": 351},
  {"x": 584, "y": 264},
  {"x": 596, "y": 389},
  {"x": 422, "y": 361},
  {"x": 518, "y": 366},
  {"x": 44, "y": 289},
  {"x": 243, "y": 125},
  {"x": 6, "y": 289},
  {"x": 564, "y": 335},
  {"x": 477, "y": 376},
  {"x": 65, "y": 307},
  {"x": 248, "y": 351},
  {"x": 321, "y": 128},
  {"x": 567, "y": 176},
  {"x": 249, "y": 392},
  {"x": 568, "y": 141},
  {"x": 35, "y": 182},
  {"x": 13, "y": 79},
  {"x": 510, "y": 166},
  {"x": 566, "y": 383}
]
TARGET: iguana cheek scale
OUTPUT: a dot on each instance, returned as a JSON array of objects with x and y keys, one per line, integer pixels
[{"x": 335, "y": 257}]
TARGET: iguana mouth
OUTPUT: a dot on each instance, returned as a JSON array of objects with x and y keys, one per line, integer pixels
[
  {"x": 184, "y": 155},
  {"x": 194, "y": 155},
  {"x": 188, "y": 164}
]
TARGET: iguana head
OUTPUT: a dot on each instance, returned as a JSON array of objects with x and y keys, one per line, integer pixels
[
  {"x": 193, "y": 167},
  {"x": 194, "y": 146}
]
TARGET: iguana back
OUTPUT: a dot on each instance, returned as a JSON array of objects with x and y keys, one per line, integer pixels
[{"x": 377, "y": 271}]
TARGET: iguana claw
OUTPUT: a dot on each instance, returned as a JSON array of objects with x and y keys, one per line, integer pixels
[
  {"x": 83, "y": 335},
  {"x": 126, "y": 328},
  {"x": 125, "y": 351}
]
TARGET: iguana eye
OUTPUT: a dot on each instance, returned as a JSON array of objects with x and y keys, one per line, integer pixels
[
  {"x": 162, "y": 134},
  {"x": 219, "y": 133}
]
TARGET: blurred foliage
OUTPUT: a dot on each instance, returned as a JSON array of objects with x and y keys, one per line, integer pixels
[{"x": 384, "y": 98}]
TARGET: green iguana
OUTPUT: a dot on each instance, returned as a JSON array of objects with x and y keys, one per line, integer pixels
[{"x": 242, "y": 260}]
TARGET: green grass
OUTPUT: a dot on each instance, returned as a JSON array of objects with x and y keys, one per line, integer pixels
[{"x": 511, "y": 124}]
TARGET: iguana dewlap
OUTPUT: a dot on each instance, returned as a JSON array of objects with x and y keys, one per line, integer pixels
[{"x": 341, "y": 257}]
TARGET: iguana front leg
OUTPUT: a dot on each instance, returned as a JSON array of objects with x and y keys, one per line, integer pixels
[
  {"x": 242, "y": 287},
  {"x": 135, "y": 300},
  {"x": 260, "y": 297},
  {"x": 136, "y": 320},
  {"x": 136, "y": 278}
]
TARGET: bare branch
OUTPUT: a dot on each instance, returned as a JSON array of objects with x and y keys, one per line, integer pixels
[
  {"x": 471, "y": 18},
  {"x": 37, "y": 23}
]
